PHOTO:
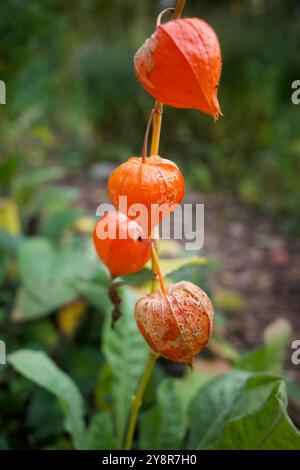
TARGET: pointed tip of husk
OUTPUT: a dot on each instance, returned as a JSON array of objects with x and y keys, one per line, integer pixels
[
  {"x": 217, "y": 115},
  {"x": 190, "y": 363},
  {"x": 216, "y": 110}
]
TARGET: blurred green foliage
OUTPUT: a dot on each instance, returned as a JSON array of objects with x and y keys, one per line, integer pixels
[{"x": 73, "y": 99}]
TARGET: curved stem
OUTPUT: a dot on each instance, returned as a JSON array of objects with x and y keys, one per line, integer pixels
[
  {"x": 155, "y": 241},
  {"x": 156, "y": 265},
  {"x": 157, "y": 118},
  {"x": 162, "y": 13},
  {"x": 137, "y": 400},
  {"x": 145, "y": 146}
]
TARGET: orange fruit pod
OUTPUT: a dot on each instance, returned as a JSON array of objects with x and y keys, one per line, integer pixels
[
  {"x": 176, "y": 325},
  {"x": 155, "y": 183},
  {"x": 180, "y": 65},
  {"x": 121, "y": 244}
]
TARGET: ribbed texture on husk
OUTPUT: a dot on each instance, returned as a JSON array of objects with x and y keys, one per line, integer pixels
[
  {"x": 176, "y": 325},
  {"x": 158, "y": 181},
  {"x": 180, "y": 65}
]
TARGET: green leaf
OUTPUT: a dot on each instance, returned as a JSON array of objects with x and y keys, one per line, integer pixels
[
  {"x": 54, "y": 225},
  {"x": 228, "y": 300},
  {"x": 293, "y": 389},
  {"x": 209, "y": 409},
  {"x": 260, "y": 359},
  {"x": 220, "y": 346},
  {"x": 84, "y": 364},
  {"x": 269, "y": 428},
  {"x": 95, "y": 293},
  {"x": 241, "y": 410},
  {"x": 164, "y": 425},
  {"x": 44, "y": 415},
  {"x": 102, "y": 392},
  {"x": 126, "y": 353},
  {"x": 41, "y": 370},
  {"x": 278, "y": 333},
  {"x": 28, "y": 307},
  {"x": 9, "y": 166},
  {"x": 10, "y": 243},
  {"x": 271, "y": 356},
  {"x": 49, "y": 277},
  {"x": 41, "y": 335},
  {"x": 100, "y": 433},
  {"x": 40, "y": 176},
  {"x": 190, "y": 384},
  {"x": 169, "y": 266},
  {"x": 4, "y": 265}
]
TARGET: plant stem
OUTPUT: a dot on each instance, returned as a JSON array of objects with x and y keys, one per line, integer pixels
[
  {"x": 155, "y": 140},
  {"x": 157, "y": 118},
  {"x": 155, "y": 263},
  {"x": 155, "y": 241},
  {"x": 156, "y": 114},
  {"x": 137, "y": 400},
  {"x": 179, "y": 7},
  {"x": 145, "y": 146}
]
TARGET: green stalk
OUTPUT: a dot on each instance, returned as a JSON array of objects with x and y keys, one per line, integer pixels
[{"x": 138, "y": 398}]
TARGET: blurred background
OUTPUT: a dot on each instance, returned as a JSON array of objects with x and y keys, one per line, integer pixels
[{"x": 74, "y": 110}]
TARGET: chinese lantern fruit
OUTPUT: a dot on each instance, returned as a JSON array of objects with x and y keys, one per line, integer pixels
[
  {"x": 180, "y": 65},
  {"x": 156, "y": 181},
  {"x": 121, "y": 244},
  {"x": 176, "y": 325}
]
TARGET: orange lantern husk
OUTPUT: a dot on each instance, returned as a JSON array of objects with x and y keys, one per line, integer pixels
[
  {"x": 178, "y": 324},
  {"x": 121, "y": 244},
  {"x": 180, "y": 65},
  {"x": 156, "y": 183}
]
